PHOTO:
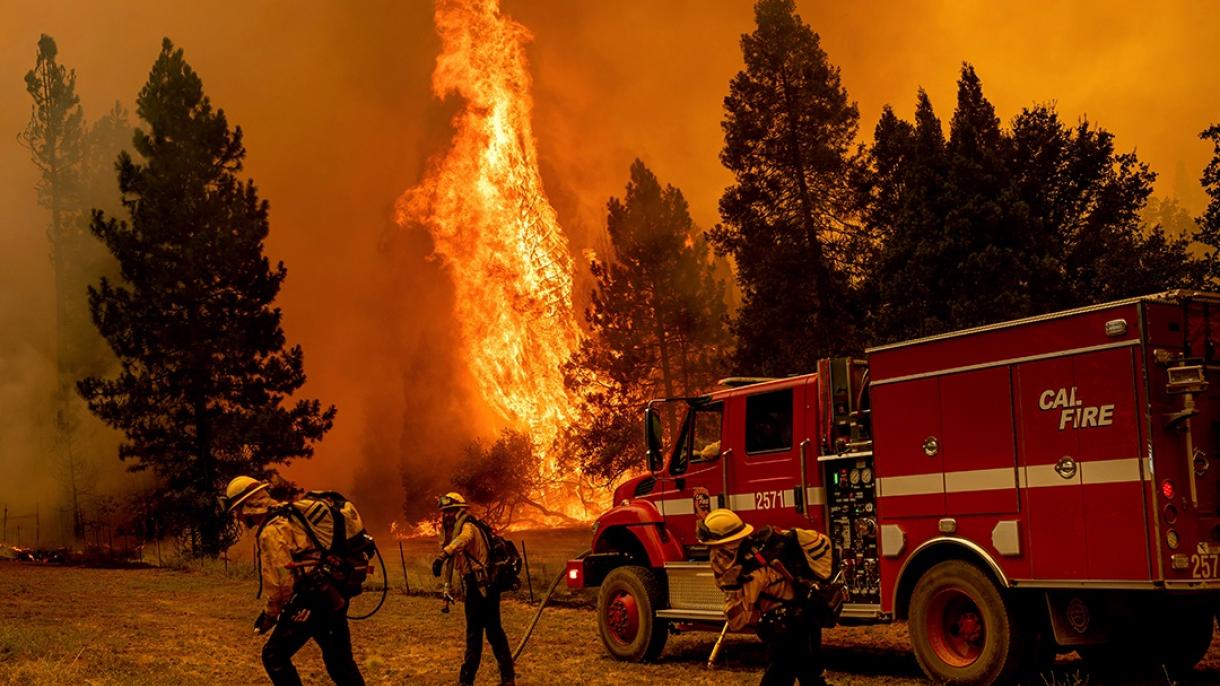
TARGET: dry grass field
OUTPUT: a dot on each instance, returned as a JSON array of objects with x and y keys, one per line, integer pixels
[{"x": 63, "y": 625}]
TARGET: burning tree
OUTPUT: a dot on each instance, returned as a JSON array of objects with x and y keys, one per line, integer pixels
[
  {"x": 656, "y": 323},
  {"x": 201, "y": 395}
]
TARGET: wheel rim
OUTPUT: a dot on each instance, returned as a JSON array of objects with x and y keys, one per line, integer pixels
[
  {"x": 955, "y": 628},
  {"x": 623, "y": 617}
]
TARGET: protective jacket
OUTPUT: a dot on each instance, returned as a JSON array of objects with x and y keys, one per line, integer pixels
[
  {"x": 282, "y": 540},
  {"x": 466, "y": 551},
  {"x": 747, "y": 596}
]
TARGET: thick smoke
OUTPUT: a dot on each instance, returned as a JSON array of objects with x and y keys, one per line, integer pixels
[{"x": 335, "y": 102}]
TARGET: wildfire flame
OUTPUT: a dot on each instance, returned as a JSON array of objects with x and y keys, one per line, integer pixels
[{"x": 490, "y": 220}]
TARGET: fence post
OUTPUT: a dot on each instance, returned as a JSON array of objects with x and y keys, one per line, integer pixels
[
  {"x": 402, "y": 558},
  {"x": 529, "y": 580}
]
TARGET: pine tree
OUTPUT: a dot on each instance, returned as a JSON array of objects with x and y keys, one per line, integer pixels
[
  {"x": 54, "y": 137},
  {"x": 656, "y": 323},
  {"x": 789, "y": 133},
  {"x": 903, "y": 210},
  {"x": 1209, "y": 224},
  {"x": 994, "y": 224},
  {"x": 205, "y": 378}
]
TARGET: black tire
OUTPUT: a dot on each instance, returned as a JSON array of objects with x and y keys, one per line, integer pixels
[
  {"x": 626, "y": 614},
  {"x": 1168, "y": 639},
  {"x": 962, "y": 628},
  {"x": 1184, "y": 639}
]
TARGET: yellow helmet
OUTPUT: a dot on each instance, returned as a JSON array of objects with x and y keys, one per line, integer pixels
[
  {"x": 450, "y": 501},
  {"x": 240, "y": 490},
  {"x": 722, "y": 526}
]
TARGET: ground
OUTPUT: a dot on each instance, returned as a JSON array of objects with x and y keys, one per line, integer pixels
[{"x": 66, "y": 625}]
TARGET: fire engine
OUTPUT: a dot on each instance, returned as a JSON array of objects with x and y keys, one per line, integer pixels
[{"x": 1011, "y": 491}]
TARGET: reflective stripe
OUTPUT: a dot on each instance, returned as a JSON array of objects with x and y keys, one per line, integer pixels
[
  {"x": 1045, "y": 476},
  {"x": 815, "y": 495},
  {"x": 1123, "y": 470},
  {"x": 677, "y": 506},
  {"x": 915, "y": 484},
  {"x": 981, "y": 480},
  {"x": 741, "y": 502},
  {"x": 1111, "y": 471}
]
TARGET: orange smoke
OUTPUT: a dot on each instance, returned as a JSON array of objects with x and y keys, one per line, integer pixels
[{"x": 492, "y": 224}]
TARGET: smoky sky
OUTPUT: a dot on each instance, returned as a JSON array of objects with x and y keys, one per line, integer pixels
[{"x": 339, "y": 118}]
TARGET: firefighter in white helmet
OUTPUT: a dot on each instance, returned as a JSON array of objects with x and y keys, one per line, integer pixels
[
  {"x": 296, "y": 613},
  {"x": 465, "y": 552},
  {"x": 761, "y": 593}
]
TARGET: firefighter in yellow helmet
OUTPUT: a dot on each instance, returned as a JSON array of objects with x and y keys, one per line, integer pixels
[
  {"x": 465, "y": 552},
  {"x": 296, "y": 613},
  {"x": 761, "y": 593}
]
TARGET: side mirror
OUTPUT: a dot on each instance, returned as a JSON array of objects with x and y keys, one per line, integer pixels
[{"x": 652, "y": 439}]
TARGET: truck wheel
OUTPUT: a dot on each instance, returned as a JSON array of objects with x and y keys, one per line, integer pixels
[
  {"x": 626, "y": 614},
  {"x": 962, "y": 630},
  {"x": 1181, "y": 638}
]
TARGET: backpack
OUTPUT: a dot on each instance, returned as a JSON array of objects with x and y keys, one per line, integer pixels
[
  {"x": 809, "y": 557},
  {"x": 347, "y": 550},
  {"x": 503, "y": 570}
]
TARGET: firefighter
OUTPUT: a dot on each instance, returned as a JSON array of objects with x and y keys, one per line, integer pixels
[
  {"x": 297, "y": 610},
  {"x": 465, "y": 552},
  {"x": 760, "y": 593}
]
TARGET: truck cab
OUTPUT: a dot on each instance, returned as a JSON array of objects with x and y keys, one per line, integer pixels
[{"x": 1012, "y": 491}]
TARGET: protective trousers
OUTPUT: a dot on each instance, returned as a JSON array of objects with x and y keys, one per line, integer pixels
[
  {"x": 795, "y": 656},
  {"x": 331, "y": 632},
  {"x": 483, "y": 616}
]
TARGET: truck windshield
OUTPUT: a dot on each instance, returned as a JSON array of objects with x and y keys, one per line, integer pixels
[{"x": 700, "y": 439}]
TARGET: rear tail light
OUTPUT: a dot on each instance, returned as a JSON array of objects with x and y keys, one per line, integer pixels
[
  {"x": 1171, "y": 539},
  {"x": 576, "y": 574},
  {"x": 1171, "y": 514},
  {"x": 1167, "y": 489}
]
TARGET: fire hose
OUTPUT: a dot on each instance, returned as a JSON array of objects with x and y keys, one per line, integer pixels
[
  {"x": 385, "y": 587},
  {"x": 542, "y": 606},
  {"x": 385, "y": 583}
]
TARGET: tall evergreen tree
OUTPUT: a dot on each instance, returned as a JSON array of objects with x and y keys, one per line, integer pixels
[
  {"x": 55, "y": 139},
  {"x": 993, "y": 224},
  {"x": 656, "y": 322},
  {"x": 904, "y": 211},
  {"x": 1209, "y": 223},
  {"x": 203, "y": 390},
  {"x": 789, "y": 133}
]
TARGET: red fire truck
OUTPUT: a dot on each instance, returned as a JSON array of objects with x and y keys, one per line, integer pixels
[{"x": 1011, "y": 491}]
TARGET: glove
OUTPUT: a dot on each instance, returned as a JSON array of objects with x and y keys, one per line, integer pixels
[
  {"x": 437, "y": 564},
  {"x": 263, "y": 624}
]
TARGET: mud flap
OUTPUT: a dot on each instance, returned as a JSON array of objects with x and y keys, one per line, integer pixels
[{"x": 1077, "y": 618}]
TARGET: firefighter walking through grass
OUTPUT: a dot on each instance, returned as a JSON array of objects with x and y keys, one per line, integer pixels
[
  {"x": 300, "y": 604},
  {"x": 762, "y": 592},
  {"x": 466, "y": 553}
]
